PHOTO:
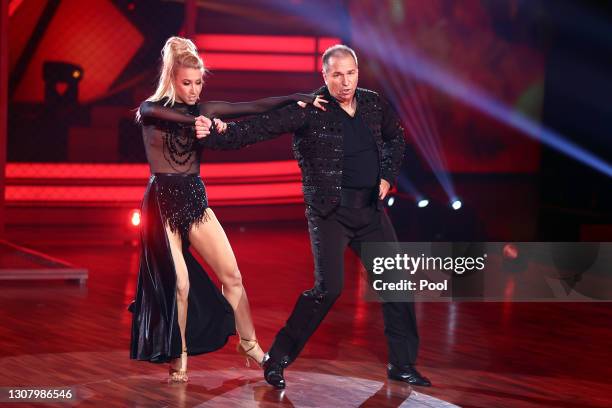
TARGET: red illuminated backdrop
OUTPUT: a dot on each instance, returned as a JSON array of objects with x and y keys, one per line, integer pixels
[
  {"x": 97, "y": 36},
  {"x": 92, "y": 34},
  {"x": 263, "y": 52}
]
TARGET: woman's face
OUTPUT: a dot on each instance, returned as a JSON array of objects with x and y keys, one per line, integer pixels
[{"x": 188, "y": 85}]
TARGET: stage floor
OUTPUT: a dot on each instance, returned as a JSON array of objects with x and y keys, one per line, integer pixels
[{"x": 58, "y": 334}]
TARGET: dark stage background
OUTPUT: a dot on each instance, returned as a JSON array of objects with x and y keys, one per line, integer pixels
[{"x": 458, "y": 72}]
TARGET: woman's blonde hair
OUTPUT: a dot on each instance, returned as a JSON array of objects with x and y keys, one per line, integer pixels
[{"x": 178, "y": 52}]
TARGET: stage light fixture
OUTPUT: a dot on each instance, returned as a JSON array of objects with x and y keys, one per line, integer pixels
[
  {"x": 422, "y": 203},
  {"x": 135, "y": 218},
  {"x": 510, "y": 251},
  {"x": 61, "y": 82}
]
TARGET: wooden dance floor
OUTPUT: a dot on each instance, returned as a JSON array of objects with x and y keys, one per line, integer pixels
[{"x": 59, "y": 334}]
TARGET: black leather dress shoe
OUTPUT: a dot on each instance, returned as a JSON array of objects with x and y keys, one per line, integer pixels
[
  {"x": 273, "y": 372},
  {"x": 407, "y": 374}
]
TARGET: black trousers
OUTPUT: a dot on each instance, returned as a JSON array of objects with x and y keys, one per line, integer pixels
[{"x": 329, "y": 237}]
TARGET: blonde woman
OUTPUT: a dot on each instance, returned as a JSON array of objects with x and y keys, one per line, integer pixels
[{"x": 178, "y": 311}]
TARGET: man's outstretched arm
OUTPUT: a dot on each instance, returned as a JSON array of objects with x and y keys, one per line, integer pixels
[{"x": 257, "y": 129}]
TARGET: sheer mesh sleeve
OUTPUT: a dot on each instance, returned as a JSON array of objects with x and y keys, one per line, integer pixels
[
  {"x": 229, "y": 110},
  {"x": 155, "y": 111}
]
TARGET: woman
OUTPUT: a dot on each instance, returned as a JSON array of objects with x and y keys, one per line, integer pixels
[{"x": 178, "y": 310}]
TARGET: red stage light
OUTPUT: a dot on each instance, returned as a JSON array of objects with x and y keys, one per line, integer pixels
[
  {"x": 259, "y": 62},
  {"x": 135, "y": 218},
  {"x": 233, "y": 184},
  {"x": 235, "y": 52},
  {"x": 13, "y": 6},
  {"x": 510, "y": 251},
  {"x": 256, "y": 43}
]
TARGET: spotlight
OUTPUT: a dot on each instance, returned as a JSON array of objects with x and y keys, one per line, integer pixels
[
  {"x": 514, "y": 258},
  {"x": 422, "y": 203},
  {"x": 510, "y": 251},
  {"x": 390, "y": 201},
  {"x": 135, "y": 217},
  {"x": 456, "y": 204}
]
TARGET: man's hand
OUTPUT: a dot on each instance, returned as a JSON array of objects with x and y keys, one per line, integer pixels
[
  {"x": 220, "y": 125},
  {"x": 383, "y": 189},
  {"x": 202, "y": 126},
  {"x": 317, "y": 103}
]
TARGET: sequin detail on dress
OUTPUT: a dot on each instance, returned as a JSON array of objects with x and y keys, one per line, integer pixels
[{"x": 182, "y": 201}]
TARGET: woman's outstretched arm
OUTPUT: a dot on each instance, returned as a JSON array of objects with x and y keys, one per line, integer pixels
[
  {"x": 229, "y": 110},
  {"x": 152, "y": 110}
]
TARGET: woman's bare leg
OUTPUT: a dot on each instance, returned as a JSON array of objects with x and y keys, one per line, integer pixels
[
  {"x": 182, "y": 293},
  {"x": 209, "y": 239}
]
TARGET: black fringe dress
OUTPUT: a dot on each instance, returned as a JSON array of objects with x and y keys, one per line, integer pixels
[{"x": 175, "y": 195}]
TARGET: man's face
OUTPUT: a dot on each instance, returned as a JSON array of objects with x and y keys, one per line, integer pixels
[{"x": 341, "y": 77}]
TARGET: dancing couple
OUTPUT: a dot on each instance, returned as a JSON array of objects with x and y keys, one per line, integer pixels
[{"x": 349, "y": 145}]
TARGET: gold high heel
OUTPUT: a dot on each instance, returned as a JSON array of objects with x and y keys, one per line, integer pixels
[
  {"x": 180, "y": 375},
  {"x": 251, "y": 344}
]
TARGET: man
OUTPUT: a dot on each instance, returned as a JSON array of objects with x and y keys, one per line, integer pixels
[{"x": 349, "y": 155}]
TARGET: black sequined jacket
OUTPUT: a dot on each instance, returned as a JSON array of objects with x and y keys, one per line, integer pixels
[{"x": 318, "y": 144}]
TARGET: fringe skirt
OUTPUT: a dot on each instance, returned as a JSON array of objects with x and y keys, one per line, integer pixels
[{"x": 180, "y": 201}]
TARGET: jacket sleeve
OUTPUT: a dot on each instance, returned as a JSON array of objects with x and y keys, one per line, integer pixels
[
  {"x": 393, "y": 143},
  {"x": 258, "y": 129}
]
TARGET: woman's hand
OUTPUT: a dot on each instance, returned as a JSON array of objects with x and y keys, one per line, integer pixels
[
  {"x": 220, "y": 125},
  {"x": 317, "y": 101}
]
